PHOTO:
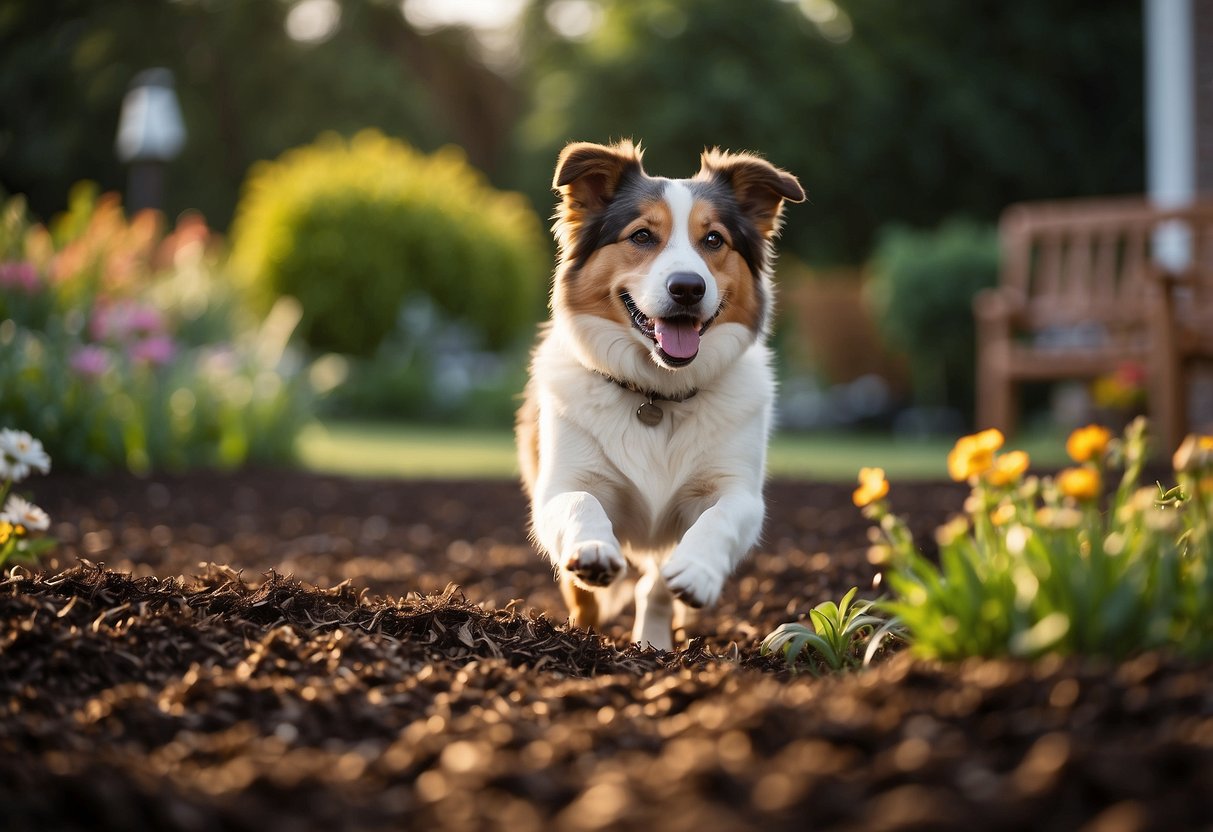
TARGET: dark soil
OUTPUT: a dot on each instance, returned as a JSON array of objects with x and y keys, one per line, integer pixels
[{"x": 175, "y": 667}]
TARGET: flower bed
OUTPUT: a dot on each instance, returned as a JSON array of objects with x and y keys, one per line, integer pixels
[{"x": 125, "y": 345}]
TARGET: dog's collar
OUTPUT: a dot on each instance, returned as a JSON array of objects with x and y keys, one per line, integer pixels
[{"x": 648, "y": 412}]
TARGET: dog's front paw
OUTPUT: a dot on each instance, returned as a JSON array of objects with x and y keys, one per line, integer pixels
[
  {"x": 693, "y": 583},
  {"x": 594, "y": 563}
]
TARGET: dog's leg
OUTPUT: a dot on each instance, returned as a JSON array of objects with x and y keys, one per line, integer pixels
[
  {"x": 582, "y": 603},
  {"x": 574, "y": 529},
  {"x": 654, "y": 613},
  {"x": 713, "y": 546}
]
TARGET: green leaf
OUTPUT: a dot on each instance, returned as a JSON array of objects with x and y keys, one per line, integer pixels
[
  {"x": 893, "y": 628},
  {"x": 833, "y": 657},
  {"x": 824, "y": 624},
  {"x": 1041, "y": 636},
  {"x": 781, "y": 636}
]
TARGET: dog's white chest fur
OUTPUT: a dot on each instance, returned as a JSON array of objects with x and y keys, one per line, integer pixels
[{"x": 652, "y": 479}]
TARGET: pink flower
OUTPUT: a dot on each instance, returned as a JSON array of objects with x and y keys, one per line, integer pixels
[
  {"x": 144, "y": 320},
  {"x": 156, "y": 350},
  {"x": 90, "y": 361},
  {"x": 122, "y": 321},
  {"x": 21, "y": 276}
]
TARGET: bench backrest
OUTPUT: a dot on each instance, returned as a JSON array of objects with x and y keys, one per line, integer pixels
[{"x": 1083, "y": 261}]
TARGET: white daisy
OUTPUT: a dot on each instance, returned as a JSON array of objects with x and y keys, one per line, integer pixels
[
  {"x": 21, "y": 453},
  {"x": 21, "y": 512}
]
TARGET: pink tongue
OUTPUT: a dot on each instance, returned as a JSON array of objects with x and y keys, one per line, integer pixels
[{"x": 678, "y": 339}]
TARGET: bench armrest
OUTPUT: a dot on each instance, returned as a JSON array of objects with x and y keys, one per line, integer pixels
[{"x": 999, "y": 306}]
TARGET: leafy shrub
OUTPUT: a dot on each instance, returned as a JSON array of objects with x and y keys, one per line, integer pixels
[
  {"x": 1057, "y": 565},
  {"x": 353, "y": 229},
  {"x": 124, "y": 346},
  {"x": 923, "y": 288}
]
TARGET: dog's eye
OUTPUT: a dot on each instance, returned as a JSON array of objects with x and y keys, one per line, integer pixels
[
  {"x": 714, "y": 240},
  {"x": 642, "y": 237}
]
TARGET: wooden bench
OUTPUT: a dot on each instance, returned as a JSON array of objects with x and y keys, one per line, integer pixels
[{"x": 1084, "y": 289}]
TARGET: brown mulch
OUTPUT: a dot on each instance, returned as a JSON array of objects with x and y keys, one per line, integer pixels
[{"x": 176, "y": 667}]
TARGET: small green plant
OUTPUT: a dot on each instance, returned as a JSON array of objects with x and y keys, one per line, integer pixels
[
  {"x": 1059, "y": 565},
  {"x": 22, "y": 524},
  {"x": 839, "y": 632}
]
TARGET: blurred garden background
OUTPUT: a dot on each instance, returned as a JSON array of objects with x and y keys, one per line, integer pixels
[{"x": 344, "y": 260}]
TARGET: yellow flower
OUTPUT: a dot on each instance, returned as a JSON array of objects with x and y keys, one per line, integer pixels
[
  {"x": 973, "y": 455},
  {"x": 990, "y": 439},
  {"x": 1194, "y": 452},
  {"x": 949, "y": 532},
  {"x": 1002, "y": 515},
  {"x": 1008, "y": 468},
  {"x": 1088, "y": 443},
  {"x": 1080, "y": 483},
  {"x": 872, "y": 486},
  {"x": 1060, "y": 518},
  {"x": 6, "y": 531}
]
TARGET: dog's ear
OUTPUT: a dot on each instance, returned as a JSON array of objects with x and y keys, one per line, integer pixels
[
  {"x": 587, "y": 175},
  {"x": 759, "y": 187}
]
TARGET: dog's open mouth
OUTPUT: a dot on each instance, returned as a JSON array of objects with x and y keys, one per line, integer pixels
[{"x": 676, "y": 337}]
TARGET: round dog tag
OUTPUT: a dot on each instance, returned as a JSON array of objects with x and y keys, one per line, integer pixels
[{"x": 649, "y": 413}]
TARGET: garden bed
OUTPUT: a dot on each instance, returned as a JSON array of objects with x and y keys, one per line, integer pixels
[{"x": 176, "y": 668}]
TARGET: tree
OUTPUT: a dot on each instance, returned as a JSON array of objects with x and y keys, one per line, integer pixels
[
  {"x": 248, "y": 91},
  {"x": 887, "y": 110}
]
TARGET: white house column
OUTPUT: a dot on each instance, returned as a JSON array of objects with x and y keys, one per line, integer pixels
[
  {"x": 1170, "y": 119},
  {"x": 1170, "y": 101}
]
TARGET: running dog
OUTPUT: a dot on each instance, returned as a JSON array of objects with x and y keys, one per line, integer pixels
[{"x": 643, "y": 432}]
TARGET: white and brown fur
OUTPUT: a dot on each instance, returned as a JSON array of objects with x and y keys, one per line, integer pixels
[{"x": 679, "y": 502}]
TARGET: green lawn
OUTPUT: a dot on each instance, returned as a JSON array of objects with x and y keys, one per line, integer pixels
[{"x": 412, "y": 451}]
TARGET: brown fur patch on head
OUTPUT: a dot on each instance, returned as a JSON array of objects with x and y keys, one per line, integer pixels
[
  {"x": 614, "y": 266},
  {"x": 587, "y": 177},
  {"x": 759, "y": 187},
  {"x": 742, "y": 298}
]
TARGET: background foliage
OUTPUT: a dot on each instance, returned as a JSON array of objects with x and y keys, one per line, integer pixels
[
  {"x": 124, "y": 346},
  {"x": 886, "y": 110},
  {"x": 922, "y": 290},
  {"x": 248, "y": 91},
  {"x": 355, "y": 229},
  {"x": 894, "y": 115}
]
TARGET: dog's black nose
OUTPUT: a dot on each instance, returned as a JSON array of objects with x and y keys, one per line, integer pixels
[{"x": 686, "y": 288}]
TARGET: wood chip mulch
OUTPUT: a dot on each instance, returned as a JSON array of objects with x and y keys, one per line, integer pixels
[{"x": 280, "y": 651}]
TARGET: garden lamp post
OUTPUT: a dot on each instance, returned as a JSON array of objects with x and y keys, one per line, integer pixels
[{"x": 150, "y": 134}]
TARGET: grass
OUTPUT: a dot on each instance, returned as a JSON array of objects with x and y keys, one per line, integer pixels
[{"x": 376, "y": 449}]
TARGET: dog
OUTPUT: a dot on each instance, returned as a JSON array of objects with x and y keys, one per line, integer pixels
[{"x": 643, "y": 430}]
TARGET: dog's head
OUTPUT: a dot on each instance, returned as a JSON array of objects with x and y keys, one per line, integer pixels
[{"x": 672, "y": 271}]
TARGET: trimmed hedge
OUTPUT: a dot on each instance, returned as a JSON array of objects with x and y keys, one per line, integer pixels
[{"x": 353, "y": 228}]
